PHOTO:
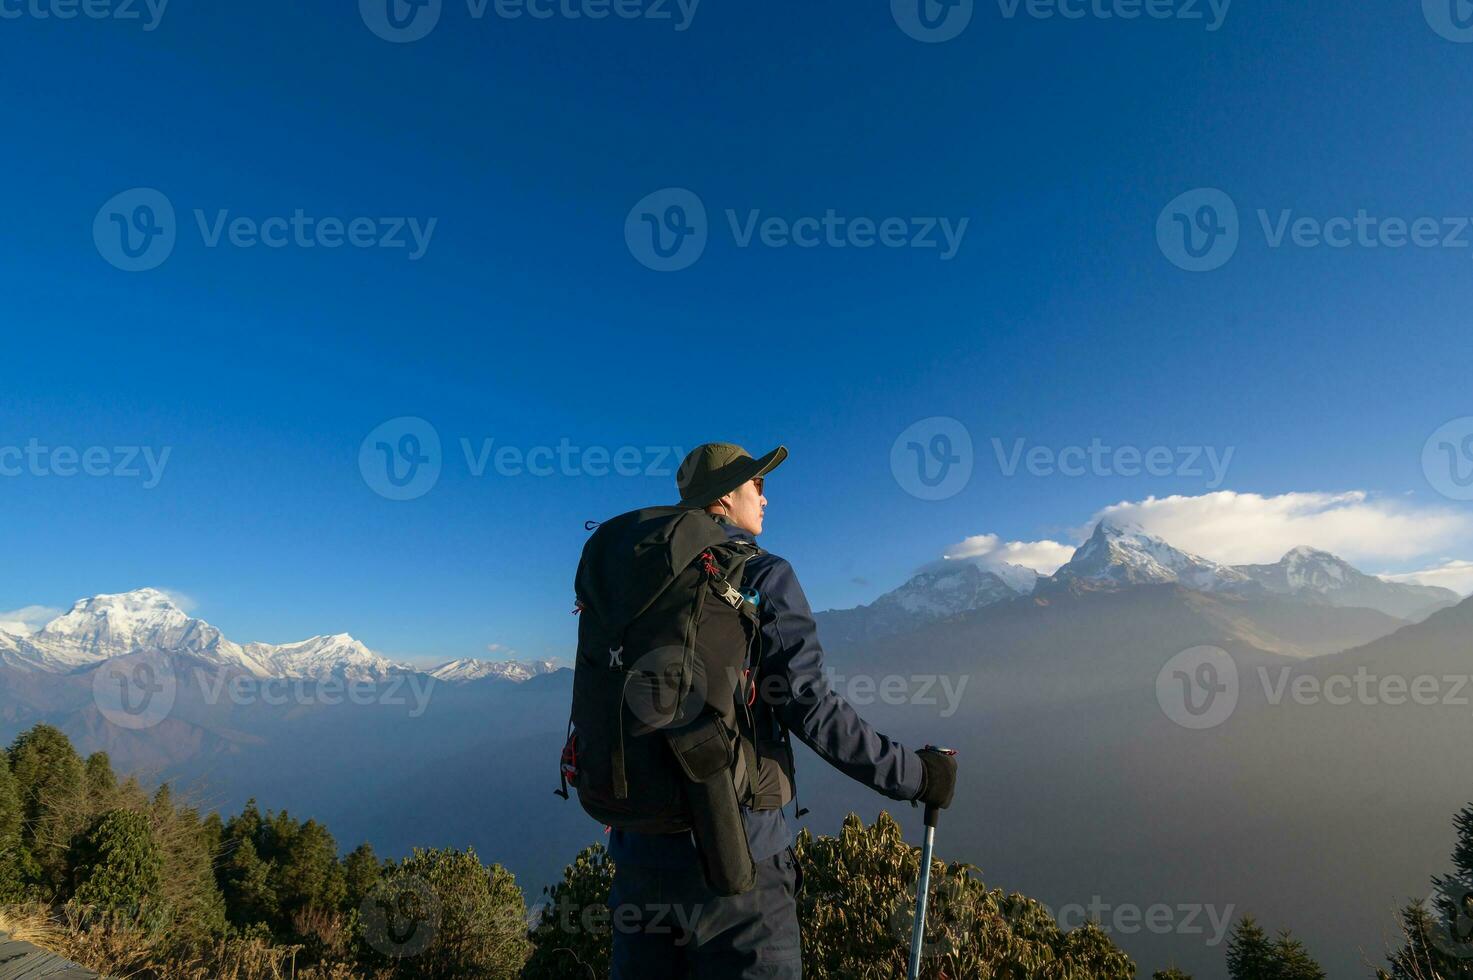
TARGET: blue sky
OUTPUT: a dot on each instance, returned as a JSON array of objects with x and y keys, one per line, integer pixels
[{"x": 529, "y": 318}]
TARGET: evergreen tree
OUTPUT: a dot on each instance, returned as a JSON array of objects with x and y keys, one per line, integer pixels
[
  {"x": 362, "y": 871},
  {"x": 49, "y": 780},
  {"x": 1426, "y": 955},
  {"x": 118, "y": 870},
  {"x": 561, "y": 943},
  {"x": 245, "y": 881},
  {"x": 1171, "y": 973},
  {"x": 1250, "y": 954},
  {"x": 100, "y": 783},
  {"x": 12, "y": 857},
  {"x": 1292, "y": 961}
]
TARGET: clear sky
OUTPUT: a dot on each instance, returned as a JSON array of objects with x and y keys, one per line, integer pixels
[{"x": 529, "y": 313}]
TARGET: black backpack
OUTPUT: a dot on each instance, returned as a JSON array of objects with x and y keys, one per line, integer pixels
[{"x": 664, "y": 685}]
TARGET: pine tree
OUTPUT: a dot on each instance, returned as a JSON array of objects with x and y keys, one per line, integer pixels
[
  {"x": 1292, "y": 961},
  {"x": 100, "y": 783},
  {"x": 362, "y": 871},
  {"x": 1424, "y": 957},
  {"x": 245, "y": 881},
  {"x": 1171, "y": 973},
  {"x": 1250, "y": 954}
]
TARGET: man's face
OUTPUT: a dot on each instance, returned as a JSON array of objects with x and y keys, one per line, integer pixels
[{"x": 745, "y": 506}]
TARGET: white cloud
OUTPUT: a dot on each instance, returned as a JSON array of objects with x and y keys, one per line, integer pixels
[
  {"x": 27, "y": 620},
  {"x": 1250, "y": 528},
  {"x": 1243, "y": 528},
  {"x": 500, "y": 648},
  {"x": 186, "y": 603},
  {"x": 1044, "y": 557},
  {"x": 1452, "y": 574}
]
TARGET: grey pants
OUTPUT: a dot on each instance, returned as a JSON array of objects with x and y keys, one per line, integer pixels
[{"x": 668, "y": 924}]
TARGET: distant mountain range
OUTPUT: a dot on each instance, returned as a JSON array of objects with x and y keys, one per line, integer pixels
[
  {"x": 1120, "y": 556},
  {"x": 1076, "y": 782},
  {"x": 104, "y": 627}
]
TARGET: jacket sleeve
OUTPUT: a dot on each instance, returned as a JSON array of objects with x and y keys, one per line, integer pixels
[{"x": 793, "y": 682}]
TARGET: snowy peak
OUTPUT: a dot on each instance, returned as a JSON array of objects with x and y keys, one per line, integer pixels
[
  {"x": 470, "y": 669},
  {"x": 1318, "y": 576},
  {"x": 339, "y": 656},
  {"x": 1120, "y": 554}
]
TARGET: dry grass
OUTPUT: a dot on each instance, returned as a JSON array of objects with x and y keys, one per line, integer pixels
[{"x": 133, "y": 955}]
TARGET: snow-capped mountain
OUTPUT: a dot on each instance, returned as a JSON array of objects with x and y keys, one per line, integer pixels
[
  {"x": 106, "y": 626},
  {"x": 1313, "y": 575},
  {"x": 941, "y": 590},
  {"x": 1120, "y": 554},
  {"x": 470, "y": 669}
]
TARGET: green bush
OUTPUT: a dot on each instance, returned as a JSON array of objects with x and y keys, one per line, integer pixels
[
  {"x": 442, "y": 914},
  {"x": 563, "y": 944},
  {"x": 855, "y": 912}
]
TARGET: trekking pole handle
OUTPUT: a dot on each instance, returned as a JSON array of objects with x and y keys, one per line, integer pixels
[{"x": 933, "y": 812}]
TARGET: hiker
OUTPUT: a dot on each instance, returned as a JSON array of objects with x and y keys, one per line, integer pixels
[{"x": 703, "y": 902}]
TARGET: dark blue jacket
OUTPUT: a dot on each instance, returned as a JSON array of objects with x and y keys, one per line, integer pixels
[{"x": 795, "y": 696}]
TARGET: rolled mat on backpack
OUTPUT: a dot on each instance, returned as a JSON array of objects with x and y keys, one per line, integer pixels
[{"x": 706, "y": 752}]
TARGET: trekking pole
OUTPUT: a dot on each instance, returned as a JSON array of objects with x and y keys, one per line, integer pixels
[{"x": 923, "y": 888}]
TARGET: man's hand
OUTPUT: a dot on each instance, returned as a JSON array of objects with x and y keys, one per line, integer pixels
[{"x": 940, "y": 777}]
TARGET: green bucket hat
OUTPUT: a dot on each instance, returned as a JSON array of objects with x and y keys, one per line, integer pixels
[{"x": 718, "y": 468}]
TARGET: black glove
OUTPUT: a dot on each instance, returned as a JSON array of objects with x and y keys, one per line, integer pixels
[{"x": 940, "y": 778}]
